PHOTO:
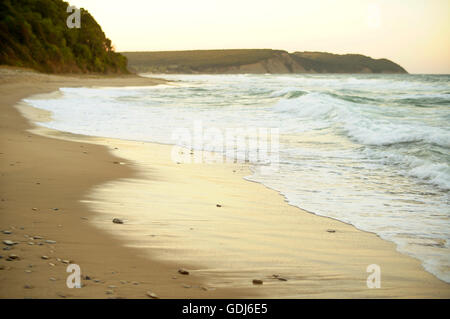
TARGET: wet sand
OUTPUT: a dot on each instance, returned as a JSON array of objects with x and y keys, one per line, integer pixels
[{"x": 171, "y": 221}]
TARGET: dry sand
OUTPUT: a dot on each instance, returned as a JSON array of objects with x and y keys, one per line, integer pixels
[{"x": 171, "y": 221}]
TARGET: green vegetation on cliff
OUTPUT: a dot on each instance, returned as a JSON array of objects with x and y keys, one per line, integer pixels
[
  {"x": 194, "y": 60},
  {"x": 33, "y": 33},
  {"x": 256, "y": 61},
  {"x": 323, "y": 62}
]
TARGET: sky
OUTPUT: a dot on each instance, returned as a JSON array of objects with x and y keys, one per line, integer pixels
[{"x": 412, "y": 33}]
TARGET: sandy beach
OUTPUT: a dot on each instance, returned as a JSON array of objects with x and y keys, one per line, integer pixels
[{"x": 64, "y": 190}]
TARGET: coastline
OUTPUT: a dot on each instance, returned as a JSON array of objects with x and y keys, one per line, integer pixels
[{"x": 334, "y": 263}]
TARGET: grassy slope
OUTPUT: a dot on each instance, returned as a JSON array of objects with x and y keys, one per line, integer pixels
[
  {"x": 195, "y": 60},
  {"x": 346, "y": 63}
]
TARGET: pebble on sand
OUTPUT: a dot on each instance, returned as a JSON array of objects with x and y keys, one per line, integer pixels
[
  {"x": 117, "y": 221},
  {"x": 183, "y": 271},
  {"x": 152, "y": 295},
  {"x": 331, "y": 230},
  {"x": 218, "y": 205},
  {"x": 257, "y": 282},
  {"x": 44, "y": 257},
  {"x": 9, "y": 242}
]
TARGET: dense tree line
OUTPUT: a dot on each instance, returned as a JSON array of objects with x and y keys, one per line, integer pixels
[{"x": 33, "y": 33}]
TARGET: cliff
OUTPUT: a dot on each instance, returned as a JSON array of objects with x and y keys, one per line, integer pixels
[{"x": 256, "y": 61}]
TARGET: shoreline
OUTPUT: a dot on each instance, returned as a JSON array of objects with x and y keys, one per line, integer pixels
[
  {"x": 51, "y": 173},
  {"x": 325, "y": 273}
]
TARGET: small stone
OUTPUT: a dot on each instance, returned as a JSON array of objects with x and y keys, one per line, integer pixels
[
  {"x": 9, "y": 242},
  {"x": 282, "y": 279},
  {"x": 64, "y": 261},
  {"x": 109, "y": 292},
  {"x": 186, "y": 286},
  {"x": 52, "y": 264},
  {"x": 28, "y": 271},
  {"x": 38, "y": 237},
  {"x": 183, "y": 271},
  {"x": 28, "y": 286},
  {"x": 44, "y": 257},
  {"x": 152, "y": 295},
  {"x": 55, "y": 209},
  {"x": 87, "y": 277},
  {"x": 13, "y": 256},
  {"x": 112, "y": 286},
  {"x": 52, "y": 279},
  {"x": 34, "y": 208},
  {"x": 123, "y": 282},
  {"x": 50, "y": 241},
  {"x": 117, "y": 221},
  {"x": 257, "y": 282},
  {"x": 7, "y": 248},
  {"x": 30, "y": 243},
  {"x": 135, "y": 283},
  {"x": 218, "y": 205},
  {"x": 331, "y": 230},
  {"x": 7, "y": 232}
]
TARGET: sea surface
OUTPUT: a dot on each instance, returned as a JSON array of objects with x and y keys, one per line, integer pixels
[{"x": 369, "y": 150}]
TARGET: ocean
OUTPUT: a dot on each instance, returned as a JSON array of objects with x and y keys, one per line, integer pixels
[{"x": 369, "y": 150}]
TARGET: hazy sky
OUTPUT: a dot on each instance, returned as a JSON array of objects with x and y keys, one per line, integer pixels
[{"x": 413, "y": 33}]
